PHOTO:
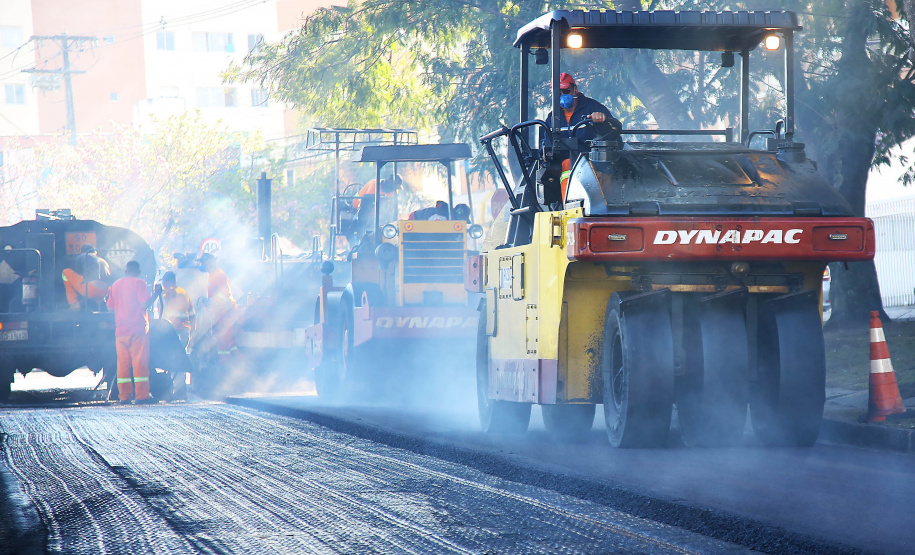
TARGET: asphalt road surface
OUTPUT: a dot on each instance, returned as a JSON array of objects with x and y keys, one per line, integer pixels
[
  {"x": 826, "y": 499},
  {"x": 290, "y": 475},
  {"x": 214, "y": 478}
]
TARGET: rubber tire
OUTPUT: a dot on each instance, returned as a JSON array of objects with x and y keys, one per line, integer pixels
[
  {"x": 786, "y": 406},
  {"x": 6, "y": 384},
  {"x": 712, "y": 400},
  {"x": 496, "y": 417},
  {"x": 637, "y": 400},
  {"x": 568, "y": 421},
  {"x": 160, "y": 385}
]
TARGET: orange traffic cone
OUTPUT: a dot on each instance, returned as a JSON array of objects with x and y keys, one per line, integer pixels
[{"x": 883, "y": 398}]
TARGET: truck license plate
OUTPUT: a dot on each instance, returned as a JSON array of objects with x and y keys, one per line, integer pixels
[{"x": 14, "y": 335}]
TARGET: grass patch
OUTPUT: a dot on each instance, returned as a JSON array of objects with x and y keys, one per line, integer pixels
[{"x": 848, "y": 356}]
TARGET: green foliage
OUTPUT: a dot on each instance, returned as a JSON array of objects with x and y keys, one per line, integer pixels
[
  {"x": 447, "y": 67},
  {"x": 183, "y": 181}
]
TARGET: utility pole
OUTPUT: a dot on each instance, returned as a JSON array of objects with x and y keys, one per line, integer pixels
[{"x": 66, "y": 43}]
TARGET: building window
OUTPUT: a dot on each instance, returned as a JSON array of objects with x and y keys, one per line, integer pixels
[
  {"x": 255, "y": 42},
  {"x": 15, "y": 94},
  {"x": 259, "y": 98},
  {"x": 165, "y": 40},
  {"x": 10, "y": 37},
  {"x": 114, "y": 96},
  {"x": 213, "y": 42},
  {"x": 216, "y": 97}
]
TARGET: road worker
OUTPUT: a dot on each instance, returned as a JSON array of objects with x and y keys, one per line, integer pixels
[
  {"x": 175, "y": 305},
  {"x": 365, "y": 217},
  {"x": 220, "y": 305},
  {"x": 130, "y": 300},
  {"x": 88, "y": 281},
  {"x": 576, "y": 108},
  {"x": 388, "y": 186}
]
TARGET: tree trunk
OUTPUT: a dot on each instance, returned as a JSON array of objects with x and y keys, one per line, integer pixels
[
  {"x": 654, "y": 90},
  {"x": 855, "y": 291},
  {"x": 846, "y": 163},
  {"x": 652, "y": 86}
]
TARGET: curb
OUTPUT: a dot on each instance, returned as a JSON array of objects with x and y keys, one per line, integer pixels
[{"x": 867, "y": 435}]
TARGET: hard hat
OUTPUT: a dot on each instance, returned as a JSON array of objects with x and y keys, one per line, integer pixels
[
  {"x": 87, "y": 248},
  {"x": 206, "y": 257},
  {"x": 565, "y": 81}
]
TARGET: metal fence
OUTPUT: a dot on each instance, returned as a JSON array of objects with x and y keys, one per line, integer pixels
[{"x": 894, "y": 222}]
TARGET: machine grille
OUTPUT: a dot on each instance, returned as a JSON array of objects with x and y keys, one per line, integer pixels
[{"x": 433, "y": 257}]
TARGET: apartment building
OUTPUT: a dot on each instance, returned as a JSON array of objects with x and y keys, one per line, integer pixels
[
  {"x": 131, "y": 60},
  {"x": 18, "y": 99}
]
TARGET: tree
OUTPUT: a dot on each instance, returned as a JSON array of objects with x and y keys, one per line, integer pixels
[
  {"x": 181, "y": 182},
  {"x": 857, "y": 103},
  {"x": 446, "y": 66}
]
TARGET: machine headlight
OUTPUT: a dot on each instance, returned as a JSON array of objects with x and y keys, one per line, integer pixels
[
  {"x": 475, "y": 231},
  {"x": 389, "y": 231},
  {"x": 773, "y": 42}
]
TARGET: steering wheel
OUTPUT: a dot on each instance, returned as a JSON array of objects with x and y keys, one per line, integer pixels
[{"x": 349, "y": 191}]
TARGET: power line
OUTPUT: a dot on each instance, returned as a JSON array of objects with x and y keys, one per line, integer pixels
[{"x": 66, "y": 43}]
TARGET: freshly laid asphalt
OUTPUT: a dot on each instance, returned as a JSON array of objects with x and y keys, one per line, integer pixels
[
  {"x": 881, "y": 526},
  {"x": 825, "y": 499}
]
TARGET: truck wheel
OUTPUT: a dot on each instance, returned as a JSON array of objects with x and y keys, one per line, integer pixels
[
  {"x": 786, "y": 406},
  {"x": 6, "y": 384},
  {"x": 637, "y": 370},
  {"x": 503, "y": 417},
  {"x": 568, "y": 421},
  {"x": 712, "y": 399},
  {"x": 160, "y": 385}
]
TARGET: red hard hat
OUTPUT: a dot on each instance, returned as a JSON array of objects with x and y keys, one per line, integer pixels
[{"x": 565, "y": 81}]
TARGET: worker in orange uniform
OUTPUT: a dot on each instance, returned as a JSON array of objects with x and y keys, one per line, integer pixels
[
  {"x": 576, "y": 108},
  {"x": 88, "y": 281},
  {"x": 220, "y": 304},
  {"x": 176, "y": 307},
  {"x": 388, "y": 186},
  {"x": 130, "y": 300}
]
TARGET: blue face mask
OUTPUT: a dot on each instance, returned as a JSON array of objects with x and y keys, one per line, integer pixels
[{"x": 566, "y": 101}]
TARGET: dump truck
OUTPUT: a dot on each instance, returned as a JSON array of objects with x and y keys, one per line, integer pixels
[
  {"x": 404, "y": 308},
  {"x": 40, "y": 329},
  {"x": 680, "y": 272}
]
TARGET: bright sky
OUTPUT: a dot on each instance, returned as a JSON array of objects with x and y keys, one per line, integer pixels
[{"x": 884, "y": 184}]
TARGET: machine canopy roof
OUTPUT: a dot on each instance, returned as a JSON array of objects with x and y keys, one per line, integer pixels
[
  {"x": 444, "y": 153},
  {"x": 660, "y": 30}
]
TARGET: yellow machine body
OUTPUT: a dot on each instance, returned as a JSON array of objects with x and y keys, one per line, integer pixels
[{"x": 545, "y": 314}]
